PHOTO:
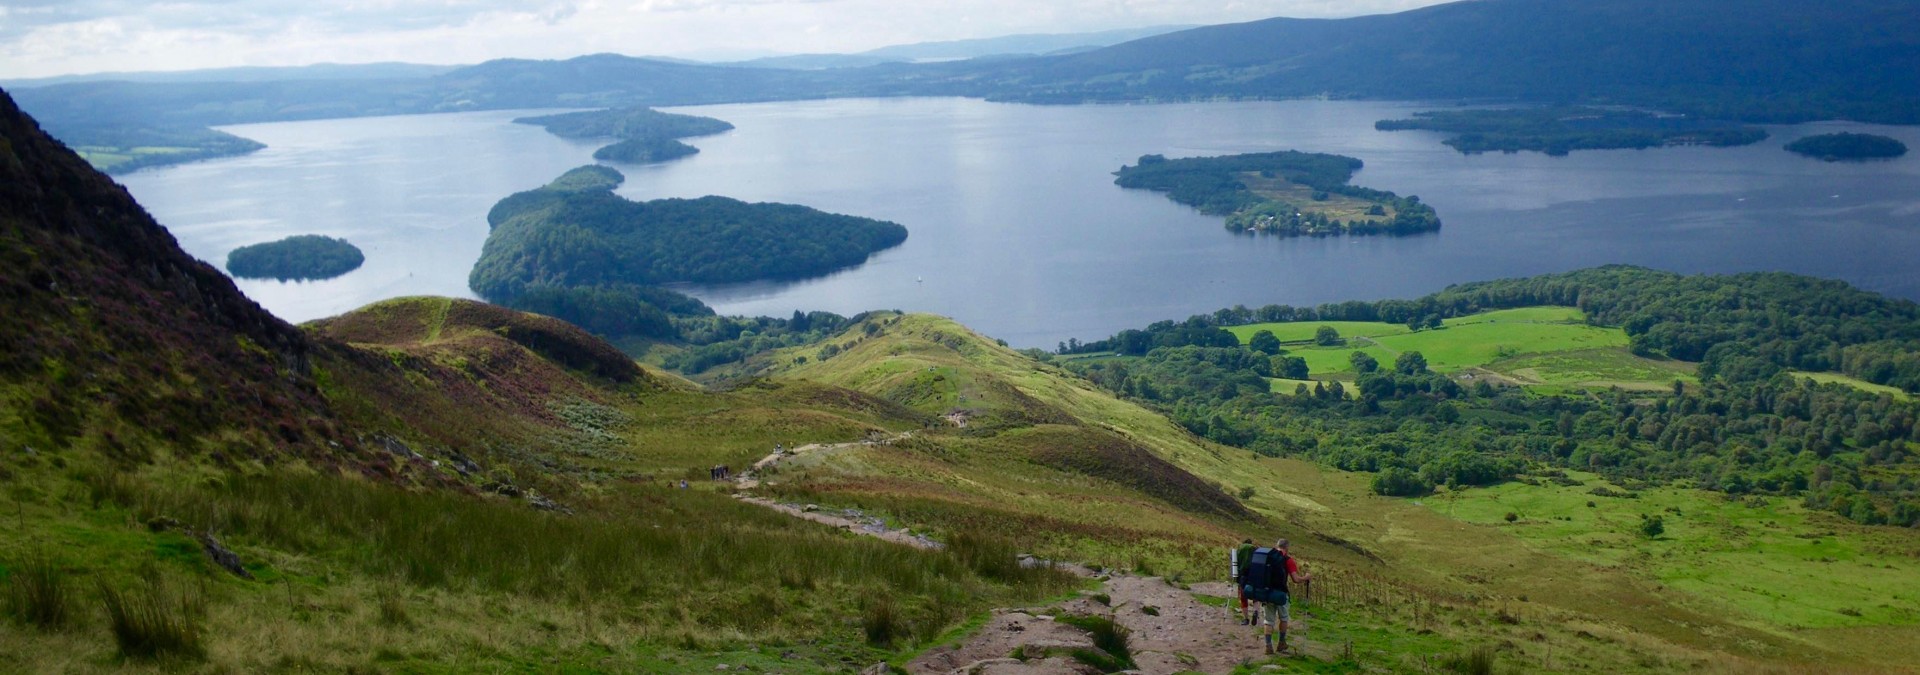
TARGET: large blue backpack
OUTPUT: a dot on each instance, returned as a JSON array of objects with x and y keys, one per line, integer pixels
[{"x": 1263, "y": 576}]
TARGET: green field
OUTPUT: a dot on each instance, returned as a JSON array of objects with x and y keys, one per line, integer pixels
[
  {"x": 1476, "y": 341},
  {"x": 1302, "y": 331},
  {"x": 1601, "y": 368},
  {"x": 109, "y": 158},
  {"x": 1765, "y": 562},
  {"x": 1869, "y": 387},
  {"x": 1281, "y": 385}
]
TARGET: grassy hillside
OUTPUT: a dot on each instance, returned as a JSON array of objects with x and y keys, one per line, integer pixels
[
  {"x": 1400, "y": 578},
  {"x": 423, "y": 485}
]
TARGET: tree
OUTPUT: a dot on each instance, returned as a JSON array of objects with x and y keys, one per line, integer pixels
[
  {"x": 1400, "y": 482},
  {"x": 1290, "y": 367},
  {"x": 1265, "y": 343},
  {"x": 1652, "y": 527},
  {"x": 1410, "y": 363},
  {"x": 1363, "y": 363},
  {"x": 1326, "y": 336}
]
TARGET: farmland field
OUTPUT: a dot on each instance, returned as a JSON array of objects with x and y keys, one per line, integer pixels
[{"x": 1465, "y": 342}]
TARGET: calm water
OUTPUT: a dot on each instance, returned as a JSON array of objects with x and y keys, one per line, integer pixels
[{"x": 1016, "y": 226}]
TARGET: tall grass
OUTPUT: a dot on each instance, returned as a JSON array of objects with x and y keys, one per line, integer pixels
[
  {"x": 153, "y": 621},
  {"x": 1478, "y": 661},
  {"x": 38, "y": 593},
  {"x": 677, "y": 558}
]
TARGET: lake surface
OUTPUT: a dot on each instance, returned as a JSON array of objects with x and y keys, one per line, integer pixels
[{"x": 1016, "y": 227}]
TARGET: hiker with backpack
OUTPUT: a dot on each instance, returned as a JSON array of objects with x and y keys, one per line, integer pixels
[
  {"x": 1237, "y": 559},
  {"x": 1264, "y": 575}
]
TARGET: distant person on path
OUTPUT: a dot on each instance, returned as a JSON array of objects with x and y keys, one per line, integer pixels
[
  {"x": 1239, "y": 557},
  {"x": 1275, "y": 606}
]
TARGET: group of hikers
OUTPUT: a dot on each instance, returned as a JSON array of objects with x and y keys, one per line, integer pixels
[
  {"x": 1261, "y": 576},
  {"x": 719, "y": 472}
]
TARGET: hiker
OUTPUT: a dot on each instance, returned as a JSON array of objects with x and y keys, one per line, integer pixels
[
  {"x": 1238, "y": 558},
  {"x": 1266, "y": 574}
]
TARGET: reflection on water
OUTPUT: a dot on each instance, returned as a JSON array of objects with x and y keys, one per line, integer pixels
[{"x": 1017, "y": 228}]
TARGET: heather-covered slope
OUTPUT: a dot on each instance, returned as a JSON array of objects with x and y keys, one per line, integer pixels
[{"x": 114, "y": 338}]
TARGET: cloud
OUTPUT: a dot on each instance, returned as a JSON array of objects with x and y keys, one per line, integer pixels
[{"x": 47, "y": 37}]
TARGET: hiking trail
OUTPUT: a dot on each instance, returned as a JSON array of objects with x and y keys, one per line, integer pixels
[{"x": 1171, "y": 629}]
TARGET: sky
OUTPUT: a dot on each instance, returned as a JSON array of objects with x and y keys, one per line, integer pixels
[{"x": 40, "y": 38}]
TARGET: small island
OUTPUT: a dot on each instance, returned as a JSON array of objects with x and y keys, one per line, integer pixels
[
  {"x": 1558, "y": 131},
  {"x": 1284, "y": 193},
  {"x": 646, "y": 135},
  {"x": 1848, "y": 147},
  {"x": 574, "y": 245},
  {"x": 305, "y": 257}
]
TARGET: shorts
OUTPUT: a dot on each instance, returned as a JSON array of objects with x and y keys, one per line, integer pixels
[{"x": 1279, "y": 611}]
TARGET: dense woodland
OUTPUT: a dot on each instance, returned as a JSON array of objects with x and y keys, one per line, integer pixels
[
  {"x": 296, "y": 258},
  {"x": 575, "y": 250},
  {"x": 1848, "y": 146},
  {"x": 1750, "y": 428},
  {"x": 1560, "y": 130},
  {"x": 1217, "y": 186}
]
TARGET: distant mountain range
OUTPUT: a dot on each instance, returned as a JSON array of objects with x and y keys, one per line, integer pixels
[
  {"x": 1755, "y": 60},
  {"x": 317, "y": 71},
  {"x": 1036, "y": 44},
  {"x": 1748, "y": 60}
]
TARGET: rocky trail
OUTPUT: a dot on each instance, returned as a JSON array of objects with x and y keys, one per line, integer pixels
[{"x": 1170, "y": 629}]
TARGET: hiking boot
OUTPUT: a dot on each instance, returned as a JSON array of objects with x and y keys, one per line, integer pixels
[{"x": 1269, "y": 650}]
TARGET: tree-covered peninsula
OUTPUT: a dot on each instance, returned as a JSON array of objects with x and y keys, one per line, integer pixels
[
  {"x": 1560, "y": 130},
  {"x": 574, "y": 243},
  {"x": 1286, "y": 193},
  {"x": 1844, "y": 146},
  {"x": 646, "y": 135},
  {"x": 298, "y": 258}
]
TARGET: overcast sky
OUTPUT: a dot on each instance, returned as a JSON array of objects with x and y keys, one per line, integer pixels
[{"x": 54, "y": 37}]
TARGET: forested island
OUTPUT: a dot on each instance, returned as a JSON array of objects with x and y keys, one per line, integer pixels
[
  {"x": 1847, "y": 146},
  {"x": 1560, "y": 130},
  {"x": 303, "y": 257},
  {"x": 1285, "y": 193},
  {"x": 1703, "y": 383},
  {"x": 576, "y": 250},
  {"x": 644, "y": 151},
  {"x": 646, "y": 135}
]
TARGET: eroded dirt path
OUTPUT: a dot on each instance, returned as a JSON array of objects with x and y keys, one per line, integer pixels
[{"x": 1169, "y": 631}]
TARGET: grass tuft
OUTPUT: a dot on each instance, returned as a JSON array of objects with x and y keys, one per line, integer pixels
[
  {"x": 1477, "y": 661},
  {"x": 38, "y": 594},
  {"x": 1109, "y": 639},
  {"x": 881, "y": 621},
  {"x": 151, "y": 622}
]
